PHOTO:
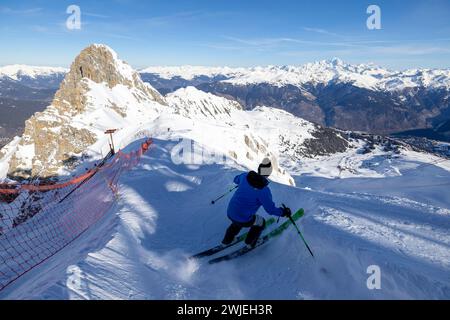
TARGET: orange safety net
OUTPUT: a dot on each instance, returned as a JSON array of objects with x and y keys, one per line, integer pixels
[{"x": 37, "y": 221}]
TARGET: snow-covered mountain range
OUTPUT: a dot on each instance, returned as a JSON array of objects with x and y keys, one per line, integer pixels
[
  {"x": 24, "y": 90},
  {"x": 19, "y": 71},
  {"x": 333, "y": 93},
  {"x": 361, "y": 97},
  {"x": 33, "y": 76},
  {"x": 368, "y": 76}
]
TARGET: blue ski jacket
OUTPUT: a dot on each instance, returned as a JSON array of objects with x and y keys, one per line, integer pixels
[{"x": 252, "y": 193}]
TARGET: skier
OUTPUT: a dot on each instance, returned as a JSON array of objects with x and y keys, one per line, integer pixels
[{"x": 252, "y": 192}]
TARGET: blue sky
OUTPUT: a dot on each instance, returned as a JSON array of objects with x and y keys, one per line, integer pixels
[{"x": 414, "y": 33}]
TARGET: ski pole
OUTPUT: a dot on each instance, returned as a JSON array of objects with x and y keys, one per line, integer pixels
[
  {"x": 301, "y": 236},
  {"x": 229, "y": 191}
]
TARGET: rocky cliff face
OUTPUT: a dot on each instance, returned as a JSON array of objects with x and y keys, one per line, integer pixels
[
  {"x": 99, "y": 64},
  {"x": 99, "y": 87}
]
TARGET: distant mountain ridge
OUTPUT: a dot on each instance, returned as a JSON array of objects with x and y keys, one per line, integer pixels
[
  {"x": 362, "y": 97},
  {"x": 368, "y": 76},
  {"x": 34, "y": 77},
  {"x": 24, "y": 90}
]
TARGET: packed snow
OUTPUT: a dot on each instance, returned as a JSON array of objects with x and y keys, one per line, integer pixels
[{"x": 5, "y": 156}]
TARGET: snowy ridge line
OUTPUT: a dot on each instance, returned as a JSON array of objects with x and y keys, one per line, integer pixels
[
  {"x": 368, "y": 76},
  {"x": 18, "y": 71},
  {"x": 35, "y": 224}
]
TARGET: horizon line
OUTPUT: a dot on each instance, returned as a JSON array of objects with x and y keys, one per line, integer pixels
[{"x": 141, "y": 68}]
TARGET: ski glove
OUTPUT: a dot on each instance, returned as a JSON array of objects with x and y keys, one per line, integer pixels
[{"x": 286, "y": 211}]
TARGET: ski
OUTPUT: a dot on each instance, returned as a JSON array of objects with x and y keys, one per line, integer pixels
[
  {"x": 272, "y": 234},
  {"x": 216, "y": 249}
]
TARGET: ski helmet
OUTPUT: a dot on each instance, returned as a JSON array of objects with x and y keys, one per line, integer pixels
[{"x": 265, "y": 168}]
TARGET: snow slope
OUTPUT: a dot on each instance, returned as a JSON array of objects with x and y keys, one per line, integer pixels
[
  {"x": 140, "y": 249},
  {"x": 193, "y": 103},
  {"x": 5, "y": 156}
]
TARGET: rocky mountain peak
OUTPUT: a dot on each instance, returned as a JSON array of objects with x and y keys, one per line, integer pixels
[
  {"x": 100, "y": 91},
  {"x": 100, "y": 64}
]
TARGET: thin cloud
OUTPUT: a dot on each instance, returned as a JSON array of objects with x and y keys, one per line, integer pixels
[
  {"x": 322, "y": 31},
  {"x": 412, "y": 50},
  {"x": 304, "y": 49},
  {"x": 272, "y": 42},
  {"x": 94, "y": 15},
  {"x": 11, "y": 11},
  {"x": 88, "y": 29},
  {"x": 382, "y": 46},
  {"x": 120, "y": 36},
  {"x": 402, "y": 41},
  {"x": 224, "y": 47},
  {"x": 258, "y": 42},
  {"x": 308, "y": 53},
  {"x": 50, "y": 29},
  {"x": 379, "y": 51},
  {"x": 169, "y": 19},
  {"x": 41, "y": 29},
  {"x": 262, "y": 42}
]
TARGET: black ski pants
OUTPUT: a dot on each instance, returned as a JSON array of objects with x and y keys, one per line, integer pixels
[{"x": 256, "y": 225}]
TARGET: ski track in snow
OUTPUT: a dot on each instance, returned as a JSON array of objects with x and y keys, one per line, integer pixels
[{"x": 140, "y": 249}]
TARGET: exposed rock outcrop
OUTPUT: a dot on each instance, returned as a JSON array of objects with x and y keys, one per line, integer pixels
[{"x": 96, "y": 81}]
